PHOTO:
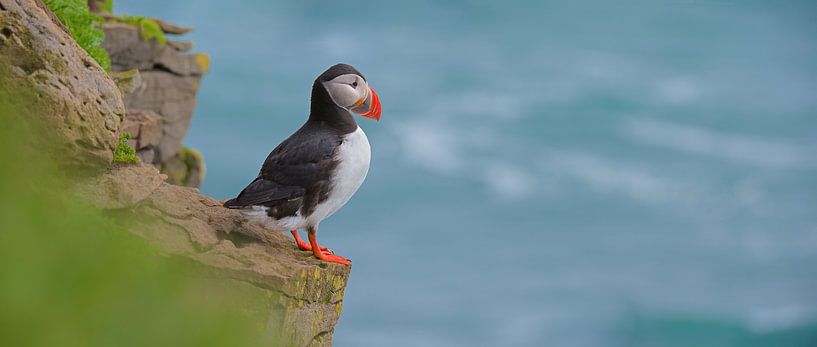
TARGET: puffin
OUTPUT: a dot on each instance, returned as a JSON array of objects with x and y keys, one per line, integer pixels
[{"x": 316, "y": 170}]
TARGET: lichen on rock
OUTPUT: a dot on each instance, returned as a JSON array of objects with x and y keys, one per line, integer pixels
[
  {"x": 148, "y": 28},
  {"x": 186, "y": 168},
  {"x": 127, "y": 81}
]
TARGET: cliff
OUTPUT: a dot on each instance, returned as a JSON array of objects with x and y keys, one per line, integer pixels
[
  {"x": 163, "y": 81},
  {"x": 86, "y": 114}
]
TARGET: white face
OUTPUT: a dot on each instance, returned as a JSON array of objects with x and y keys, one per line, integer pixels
[{"x": 347, "y": 91}]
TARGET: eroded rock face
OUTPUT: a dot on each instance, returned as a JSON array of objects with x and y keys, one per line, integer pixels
[
  {"x": 85, "y": 107},
  {"x": 169, "y": 81},
  {"x": 302, "y": 296}
]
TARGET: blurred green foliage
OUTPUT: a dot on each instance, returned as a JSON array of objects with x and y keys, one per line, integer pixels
[
  {"x": 105, "y": 6},
  {"x": 69, "y": 276},
  {"x": 124, "y": 153},
  {"x": 82, "y": 24}
]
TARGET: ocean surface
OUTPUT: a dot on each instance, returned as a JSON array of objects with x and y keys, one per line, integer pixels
[{"x": 545, "y": 173}]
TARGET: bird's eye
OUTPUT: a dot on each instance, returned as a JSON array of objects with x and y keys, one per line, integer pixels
[{"x": 354, "y": 84}]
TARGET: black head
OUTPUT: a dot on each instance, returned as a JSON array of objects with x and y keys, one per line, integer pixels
[
  {"x": 337, "y": 70},
  {"x": 341, "y": 90}
]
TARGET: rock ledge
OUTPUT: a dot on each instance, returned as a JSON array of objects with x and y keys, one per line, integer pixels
[{"x": 302, "y": 297}]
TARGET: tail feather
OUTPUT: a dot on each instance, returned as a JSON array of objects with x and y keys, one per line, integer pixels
[{"x": 232, "y": 203}]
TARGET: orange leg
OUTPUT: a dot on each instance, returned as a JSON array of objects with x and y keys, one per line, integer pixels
[
  {"x": 323, "y": 255},
  {"x": 303, "y": 245}
]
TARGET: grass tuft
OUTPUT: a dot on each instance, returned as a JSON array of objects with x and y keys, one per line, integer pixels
[
  {"x": 124, "y": 153},
  {"x": 83, "y": 26}
]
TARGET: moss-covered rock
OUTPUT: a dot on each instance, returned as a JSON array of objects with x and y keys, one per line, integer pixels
[
  {"x": 148, "y": 28},
  {"x": 170, "y": 79},
  {"x": 295, "y": 298},
  {"x": 127, "y": 81},
  {"x": 83, "y": 26},
  {"x": 186, "y": 168},
  {"x": 301, "y": 296},
  {"x": 82, "y": 106}
]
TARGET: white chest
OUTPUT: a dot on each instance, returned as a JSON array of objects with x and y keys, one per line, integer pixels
[{"x": 353, "y": 156}]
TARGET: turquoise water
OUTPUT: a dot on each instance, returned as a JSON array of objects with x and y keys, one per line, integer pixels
[{"x": 544, "y": 173}]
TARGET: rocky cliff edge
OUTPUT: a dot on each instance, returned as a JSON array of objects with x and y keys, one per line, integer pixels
[{"x": 302, "y": 297}]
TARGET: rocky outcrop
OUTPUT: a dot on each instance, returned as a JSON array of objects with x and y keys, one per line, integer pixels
[
  {"x": 169, "y": 78},
  {"x": 301, "y": 297},
  {"x": 87, "y": 109}
]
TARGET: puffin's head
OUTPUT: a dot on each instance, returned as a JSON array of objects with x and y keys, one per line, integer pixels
[{"x": 348, "y": 89}]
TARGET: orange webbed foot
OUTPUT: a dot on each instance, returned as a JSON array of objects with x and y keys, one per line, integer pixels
[
  {"x": 332, "y": 258},
  {"x": 304, "y": 246},
  {"x": 324, "y": 254}
]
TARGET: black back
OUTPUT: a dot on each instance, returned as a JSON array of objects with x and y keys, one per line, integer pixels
[{"x": 297, "y": 174}]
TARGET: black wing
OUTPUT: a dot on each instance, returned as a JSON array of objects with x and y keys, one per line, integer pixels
[
  {"x": 299, "y": 167},
  {"x": 262, "y": 191}
]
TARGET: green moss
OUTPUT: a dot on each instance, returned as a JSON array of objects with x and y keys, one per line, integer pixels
[
  {"x": 192, "y": 158},
  {"x": 186, "y": 168},
  {"x": 124, "y": 153},
  {"x": 84, "y": 27},
  {"x": 105, "y": 5},
  {"x": 148, "y": 28}
]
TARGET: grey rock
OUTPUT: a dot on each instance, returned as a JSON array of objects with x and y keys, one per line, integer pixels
[
  {"x": 146, "y": 155},
  {"x": 127, "y": 81},
  {"x": 181, "y": 46},
  {"x": 145, "y": 128},
  {"x": 127, "y": 49},
  {"x": 83, "y": 106},
  {"x": 170, "y": 80},
  {"x": 169, "y": 28},
  {"x": 186, "y": 168},
  {"x": 123, "y": 186},
  {"x": 302, "y": 296}
]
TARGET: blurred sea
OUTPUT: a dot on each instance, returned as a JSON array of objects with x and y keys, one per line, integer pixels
[{"x": 545, "y": 173}]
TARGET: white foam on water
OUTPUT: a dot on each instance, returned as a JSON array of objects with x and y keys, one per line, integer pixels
[
  {"x": 431, "y": 146},
  {"x": 770, "y": 319},
  {"x": 733, "y": 147},
  {"x": 616, "y": 176},
  {"x": 507, "y": 181}
]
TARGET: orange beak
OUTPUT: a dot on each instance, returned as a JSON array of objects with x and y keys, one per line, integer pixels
[{"x": 369, "y": 107}]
